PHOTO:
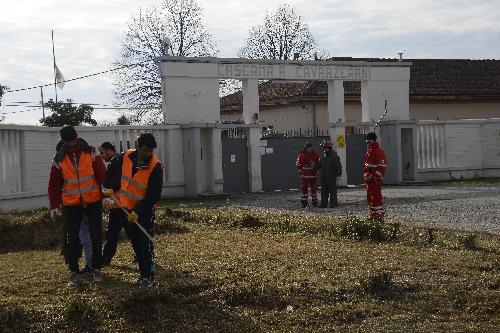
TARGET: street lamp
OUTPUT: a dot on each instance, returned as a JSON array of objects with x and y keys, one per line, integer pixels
[{"x": 166, "y": 43}]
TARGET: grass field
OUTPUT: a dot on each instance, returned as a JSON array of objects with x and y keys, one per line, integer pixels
[{"x": 225, "y": 269}]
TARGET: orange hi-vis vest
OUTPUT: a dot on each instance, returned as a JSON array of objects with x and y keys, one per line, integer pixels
[
  {"x": 80, "y": 186},
  {"x": 133, "y": 188}
]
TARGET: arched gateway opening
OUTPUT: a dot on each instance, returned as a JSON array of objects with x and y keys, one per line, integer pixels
[{"x": 190, "y": 89}]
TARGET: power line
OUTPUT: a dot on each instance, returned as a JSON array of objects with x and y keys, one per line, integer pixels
[
  {"x": 77, "y": 78},
  {"x": 97, "y": 108},
  {"x": 97, "y": 105},
  {"x": 19, "y": 111}
]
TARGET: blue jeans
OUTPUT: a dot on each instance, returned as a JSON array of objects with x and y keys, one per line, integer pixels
[{"x": 84, "y": 235}]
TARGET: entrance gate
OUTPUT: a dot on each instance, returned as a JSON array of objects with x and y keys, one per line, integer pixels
[
  {"x": 355, "y": 153},
  {"x": 235, "y": 165},
  {"x": 278, "y": 157},
  {"x": 278, "y": 161}
]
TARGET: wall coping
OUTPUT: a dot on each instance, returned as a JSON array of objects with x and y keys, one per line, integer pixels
[
  {"x": 89, "y": 128},
  {"x": 459, "y": 121},
  {"x": 216, "y": 60},
  {"x": 467, "y": 168}
]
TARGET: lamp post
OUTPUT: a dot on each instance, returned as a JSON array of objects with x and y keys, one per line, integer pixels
[{"x": 166, "y": 43}]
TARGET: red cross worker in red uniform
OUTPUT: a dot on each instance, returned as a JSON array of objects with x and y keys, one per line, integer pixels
[
  {"x": 307, "y": 162},
  {"x": 375, "y": 165}
]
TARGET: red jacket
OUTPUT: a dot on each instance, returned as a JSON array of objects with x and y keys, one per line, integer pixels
[
  {"x": 306, "y": 163},
  {"x": 56, "y": 180},
  {"x": 375, "y": 163}
]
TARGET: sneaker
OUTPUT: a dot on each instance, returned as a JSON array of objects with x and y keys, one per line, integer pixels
[
  {"x": 138, "y": 282},
  {"x": 148, "y": 282},
  {"x": 97, "y": 276},
  {"x": 145, "y": 282},
  {"x": 74, "y": 279},
  {"x": 86, "y": 270}
]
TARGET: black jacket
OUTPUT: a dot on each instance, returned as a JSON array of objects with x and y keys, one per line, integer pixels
[
  {"x": 155, "y": 183},
  {"x": 330, "y": 166}
]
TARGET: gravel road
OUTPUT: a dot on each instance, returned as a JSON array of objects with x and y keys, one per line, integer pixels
[{"x": 468, "y": 207}]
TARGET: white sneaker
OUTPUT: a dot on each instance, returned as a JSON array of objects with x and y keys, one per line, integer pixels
[
  {"x": 97, "y": 276},
  {"x": 74, "y": 279}
]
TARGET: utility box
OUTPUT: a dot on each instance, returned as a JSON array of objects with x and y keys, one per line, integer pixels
[{"x": 399, "y": 141}]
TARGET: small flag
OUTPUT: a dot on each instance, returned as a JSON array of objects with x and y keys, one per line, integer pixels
[{"x": 59, "y": 78}]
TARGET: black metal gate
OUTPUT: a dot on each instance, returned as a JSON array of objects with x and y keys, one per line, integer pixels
[
  {"x": 355, "y": 153},
  {"x": 278, "y": 161},
  {"x": 278, "y": 156},
  {"x": 235, "y": 164}
]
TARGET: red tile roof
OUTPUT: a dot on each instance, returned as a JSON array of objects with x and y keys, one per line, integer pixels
[{"x": 429, "y": 79}]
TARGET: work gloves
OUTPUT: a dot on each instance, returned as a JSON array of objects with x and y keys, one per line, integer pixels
[
  {"x": 55, "y": 213},
  {"x": 133, "y": 217},
  {"x": 107, "y": 191}
]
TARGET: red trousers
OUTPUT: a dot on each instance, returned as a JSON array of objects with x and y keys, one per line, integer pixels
[
  {"x": 374, "y": 198},
  {"x": 305, "y": 183}
]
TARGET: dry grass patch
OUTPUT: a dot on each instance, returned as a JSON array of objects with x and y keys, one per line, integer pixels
[{"x": 235, "y": 270}]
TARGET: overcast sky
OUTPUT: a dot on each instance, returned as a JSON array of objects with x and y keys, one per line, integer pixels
[{"x": 88, "y": 34}]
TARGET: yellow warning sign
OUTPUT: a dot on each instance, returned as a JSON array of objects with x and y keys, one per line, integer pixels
[{"x": 340, "y": 141}]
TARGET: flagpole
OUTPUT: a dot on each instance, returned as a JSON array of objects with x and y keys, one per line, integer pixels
[
  {"x": 55, "y": 71},
  {"x": 43, "y": 106}
]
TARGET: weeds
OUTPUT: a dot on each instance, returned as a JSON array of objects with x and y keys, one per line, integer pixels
[
  {"x": 254, "y": 295},
  {"x": 12, "y": 319},
  {"x": 469, "y": 242},
  {"x": 29, "y": 231},
  {"x": 356, "y": 228},
  {"x": 80, "y": 315},
  {"x": 376, "y": 283}
]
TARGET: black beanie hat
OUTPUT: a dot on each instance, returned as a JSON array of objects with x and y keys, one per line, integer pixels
[
  {"x": 308, "y": 145},
  {"x": 371, "y": 136}
]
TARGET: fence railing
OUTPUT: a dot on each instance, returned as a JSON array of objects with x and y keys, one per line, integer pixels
[
  {"x": 10, "y": 161},
  {"x": 27, "y": 151},
  {"x": 431, "y": 148}
]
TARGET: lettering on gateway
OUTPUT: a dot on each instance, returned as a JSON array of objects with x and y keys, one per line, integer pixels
[
  {"x": 332, "y": 72},
  {"x": 248, "y": 70},
  {"x": 293, "y": 72}
]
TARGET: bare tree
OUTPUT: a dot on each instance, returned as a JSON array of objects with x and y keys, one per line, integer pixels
[
  {"x": 139, "y": 84},
  {"x": 283, "y": 34},
  {"x": 2, "y": 91}
]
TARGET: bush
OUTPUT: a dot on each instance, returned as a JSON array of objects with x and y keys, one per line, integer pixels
[
  {"x": 248, "y": 221},
  {"x": 470, "y": 243},
  {"x": 371, "y": 229}
]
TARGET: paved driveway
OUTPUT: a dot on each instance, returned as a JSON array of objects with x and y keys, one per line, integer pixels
[{"x": 471, "y": 207}]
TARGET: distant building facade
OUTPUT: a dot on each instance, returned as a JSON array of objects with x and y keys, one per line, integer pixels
[{"x": 440, "y": 89}]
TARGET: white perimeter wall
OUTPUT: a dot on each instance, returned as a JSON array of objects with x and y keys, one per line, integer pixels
[
  {"x": 456, "y": 149},
  {"x": 27, "y": 152}
]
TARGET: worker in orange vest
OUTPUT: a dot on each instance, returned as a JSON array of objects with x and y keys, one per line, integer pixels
[
  {"x": 141, "y": 182},
  {"x": 76, "y": 175}
]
